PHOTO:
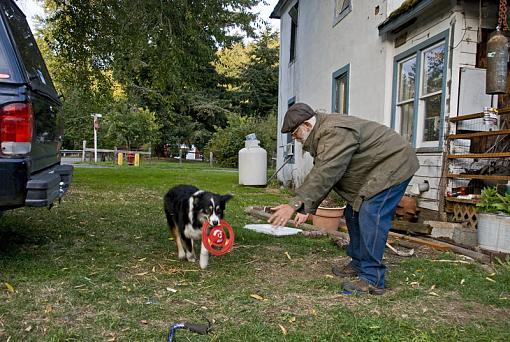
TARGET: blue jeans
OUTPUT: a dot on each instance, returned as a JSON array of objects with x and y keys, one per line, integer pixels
[{"x": 368, "y": 232}]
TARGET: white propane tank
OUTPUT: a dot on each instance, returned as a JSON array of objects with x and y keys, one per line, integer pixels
[{"x": 252, "y": 162}]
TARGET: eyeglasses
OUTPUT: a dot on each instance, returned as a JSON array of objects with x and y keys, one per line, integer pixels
[{"x": 295, "y": 131}]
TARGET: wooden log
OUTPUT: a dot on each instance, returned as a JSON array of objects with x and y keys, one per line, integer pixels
[
  {"x": 261, "y": 214},
  {"x": 442, "y": 246},
  {"x": 411, "y": 227}
]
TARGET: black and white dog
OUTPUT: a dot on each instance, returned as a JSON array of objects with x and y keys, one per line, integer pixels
[{"x": 186, "y": 209}]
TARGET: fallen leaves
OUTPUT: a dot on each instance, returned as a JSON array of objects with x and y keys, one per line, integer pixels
[
  {"x": 9, "y": 287},
  {"x": 284, "y": 330},
  {"x": 288, "y": 255},
  {"x": 257, "y": 297}
]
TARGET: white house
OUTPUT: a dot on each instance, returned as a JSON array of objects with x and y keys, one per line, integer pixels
[{"x": 408, "y": 64}]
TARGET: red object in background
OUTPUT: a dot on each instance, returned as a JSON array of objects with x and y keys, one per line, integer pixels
[
  {"x": 215, "y": 238},
  {"x": 131, "y": 158}
]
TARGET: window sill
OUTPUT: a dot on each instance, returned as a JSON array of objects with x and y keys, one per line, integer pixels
[
  {"x": 338, "y": 18},
  {"x": 428, "y": 150}
]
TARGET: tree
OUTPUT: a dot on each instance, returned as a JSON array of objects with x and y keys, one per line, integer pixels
[
  {"x": 250, "y": 75},
  {"x": 160, "y": 52},
  {"x": 259, "y": 79},
  {"x": 129, "y": 126}
]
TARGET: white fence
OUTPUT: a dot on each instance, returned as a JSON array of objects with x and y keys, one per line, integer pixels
[{"x": 87, "y": 154}]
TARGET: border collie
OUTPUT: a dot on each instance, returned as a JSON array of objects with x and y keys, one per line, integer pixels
[{"x": 186, "y": 209}]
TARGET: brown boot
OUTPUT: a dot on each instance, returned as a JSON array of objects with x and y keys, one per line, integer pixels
[
  {"x": 361, "y": 286},
  {"x": 345, "y": 271}
]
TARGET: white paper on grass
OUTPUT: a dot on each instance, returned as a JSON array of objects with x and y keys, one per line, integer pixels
[{"x": 268, "y": 229}]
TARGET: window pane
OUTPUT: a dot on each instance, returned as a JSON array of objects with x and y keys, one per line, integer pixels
[
  {"x": 433, "y": 63},
  {"x": 406, "y": 120},
  {"x": 432, "y": 110},
  {"x": 30, "y": 54},
  {"x": 407, "y": 72},
  {"x": 341, "y": 94},
  {"x": 342, "y": 5}
]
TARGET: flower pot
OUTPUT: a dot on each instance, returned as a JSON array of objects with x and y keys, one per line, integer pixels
[
  {"x": 328, "y": 218},
  {"x": 494, "y": 232}
]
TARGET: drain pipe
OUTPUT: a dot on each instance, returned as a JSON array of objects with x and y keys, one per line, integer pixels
[{"x": 281, "y": 167}]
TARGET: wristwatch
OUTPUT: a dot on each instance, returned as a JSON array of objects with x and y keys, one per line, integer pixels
[{"x": 297, "y": 205}]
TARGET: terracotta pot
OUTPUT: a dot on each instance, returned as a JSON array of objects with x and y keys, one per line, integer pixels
[{"x": 328, "y": 218}]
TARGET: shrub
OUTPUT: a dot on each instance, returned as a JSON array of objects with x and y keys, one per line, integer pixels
[
  {"x": 493, "y": 202},
  {"x": 226, "y": 142}
]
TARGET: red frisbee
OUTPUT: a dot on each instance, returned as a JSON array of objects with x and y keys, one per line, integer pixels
[{"x": 216, "y": 239}]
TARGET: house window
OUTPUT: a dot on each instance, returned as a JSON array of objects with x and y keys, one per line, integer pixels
[
  {"x": 342, "y": 8},
  {"x": 341, "y": 91},
  {"x": 293, "y": 31},
  {"x": 290, "y": 143},
  {"x": 419, "y": 100}
]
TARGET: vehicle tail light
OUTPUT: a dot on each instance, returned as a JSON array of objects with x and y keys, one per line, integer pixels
[{"x": 16, "y": 128}]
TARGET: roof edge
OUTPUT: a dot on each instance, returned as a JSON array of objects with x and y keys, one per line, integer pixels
[
  {"x": 403, "y": 14},
  {"x": 277, "y": 10}
]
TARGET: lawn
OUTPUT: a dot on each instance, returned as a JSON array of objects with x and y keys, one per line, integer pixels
[{"x": 100, "y": 267}]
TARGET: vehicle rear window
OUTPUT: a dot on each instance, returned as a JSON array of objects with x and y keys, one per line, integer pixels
[
  {"x": 8, "y": 70},
  {"x": 31, "y": 56}
]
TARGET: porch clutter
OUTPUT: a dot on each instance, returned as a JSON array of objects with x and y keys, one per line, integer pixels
[{"x": 478, "y": 171}]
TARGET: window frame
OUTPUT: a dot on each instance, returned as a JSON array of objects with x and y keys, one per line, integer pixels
[
  {"x": 342, "y": 72},
  {"x": 339, "y": 15},
  {"x": 288, "y": 137},
  {"x": 293, "y": 31},
  {"x": 418, "y": 52}
]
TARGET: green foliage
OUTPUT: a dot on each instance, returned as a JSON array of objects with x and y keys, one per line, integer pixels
[
  {"x": 493, "y": 202},
  {"x": 160, "y": 54},
  {"x": 258, "y": 90},
  {"x": 129, "y": 126},
  {"x": 226, "y": 142},
  {"x": 250, "y": 75}
]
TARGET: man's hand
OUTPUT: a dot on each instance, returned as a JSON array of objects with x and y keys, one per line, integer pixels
[
  {"x": 281, "y": 215},
  {"x": 300, "y": 218}
]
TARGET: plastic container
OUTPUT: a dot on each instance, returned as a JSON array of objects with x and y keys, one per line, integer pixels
[
  {"x": 494, "y": 232},
  {"x": 252, "y": 162}
]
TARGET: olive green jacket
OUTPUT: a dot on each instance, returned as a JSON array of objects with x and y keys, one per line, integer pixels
[{"x": 355, "y": 157}]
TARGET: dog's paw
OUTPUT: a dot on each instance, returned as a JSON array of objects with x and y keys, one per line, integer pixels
[
  {"x": 190, "y": 257},
  {"x": 181, "y": 255},
  {"x": 203, "y": 264}
]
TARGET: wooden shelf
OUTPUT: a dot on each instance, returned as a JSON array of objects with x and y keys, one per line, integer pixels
[
  {"x": 476, "y": 115},
  {"x": 460, "y": 200},
  {"x": 480, "y": 155},
  {"x": 468, "y": 176},
  {"x": 478, "y": 134}
]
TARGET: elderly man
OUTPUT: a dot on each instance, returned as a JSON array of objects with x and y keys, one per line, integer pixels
[{"x": 370, "y": 166}]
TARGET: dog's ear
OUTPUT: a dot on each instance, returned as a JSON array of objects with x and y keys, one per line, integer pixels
[
  {"x": 197, "y": 197},
  {"x": 226, "y": 198}
]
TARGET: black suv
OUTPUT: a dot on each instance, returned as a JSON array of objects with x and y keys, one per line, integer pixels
[{"x": 31, "y": 128}]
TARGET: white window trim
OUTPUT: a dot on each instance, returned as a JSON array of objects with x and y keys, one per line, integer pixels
[
  {"x": 418, "y": 52},
  {"x": 338, "y": 17}
]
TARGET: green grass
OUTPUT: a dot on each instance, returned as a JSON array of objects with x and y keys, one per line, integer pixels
[{"x": 100, "y": 267}]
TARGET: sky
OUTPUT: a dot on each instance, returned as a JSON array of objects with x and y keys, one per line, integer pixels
[{"x": 33, "y": 8}]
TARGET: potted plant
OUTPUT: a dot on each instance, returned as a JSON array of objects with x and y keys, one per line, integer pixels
[
  {"x": 329, "y": 213},
  {"x": 494, "y": 220}
]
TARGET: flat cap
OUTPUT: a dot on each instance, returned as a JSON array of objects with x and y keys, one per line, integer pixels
[{"x": 295, "y": 116}]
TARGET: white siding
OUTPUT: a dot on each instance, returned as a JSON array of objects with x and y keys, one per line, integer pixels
[{"x": 323, "y": 48}]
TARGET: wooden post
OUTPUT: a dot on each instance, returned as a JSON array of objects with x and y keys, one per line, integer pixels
[
  {"x": 210, "y": 159},
  {"x": 83, "y": 150}
]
